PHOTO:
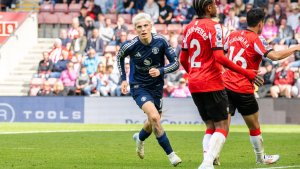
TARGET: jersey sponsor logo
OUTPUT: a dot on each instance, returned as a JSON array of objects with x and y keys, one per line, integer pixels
[
  {"x": 138, "y": 55},
  {"x": 147, "y": 61},
  {"x": 144, "y": 98},
  {"x": 155, "y": 50}
]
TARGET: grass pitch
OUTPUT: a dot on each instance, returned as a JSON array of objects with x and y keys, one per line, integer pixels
[{"x": 55, "y": 146}]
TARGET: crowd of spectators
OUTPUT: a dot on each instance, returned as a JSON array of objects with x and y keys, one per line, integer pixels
[
  {"x": 5, "y": 5},
  {"x": 83, "y": 57}
]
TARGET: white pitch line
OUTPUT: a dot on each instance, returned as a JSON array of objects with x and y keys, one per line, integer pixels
[
  {"x": 59, "y": 131},
  {"x": 291, "y": 166}
]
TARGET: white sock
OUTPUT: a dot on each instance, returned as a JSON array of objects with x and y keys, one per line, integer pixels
[
  {"x": 205, "y": 143},
  {"x": 257, "y": 144},
  {"x": 216, "y": 143}
]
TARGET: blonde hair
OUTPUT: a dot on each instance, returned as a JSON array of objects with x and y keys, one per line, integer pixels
[{"x": 140, "y": 17}]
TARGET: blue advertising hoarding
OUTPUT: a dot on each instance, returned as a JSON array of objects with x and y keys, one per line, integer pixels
[{"x": 42, "y": 109}]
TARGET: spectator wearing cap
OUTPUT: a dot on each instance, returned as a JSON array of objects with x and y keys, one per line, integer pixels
[
  {"x": 284, "y": 79},
  {"x": 182, "y": 91}
]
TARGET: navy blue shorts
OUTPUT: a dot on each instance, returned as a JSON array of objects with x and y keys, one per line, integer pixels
[{"x": 143, "y": 95}]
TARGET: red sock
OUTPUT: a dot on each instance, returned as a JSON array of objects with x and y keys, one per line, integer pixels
[
  {"x": 222, "y": 131},
  {"x": 255, "y": 132}
]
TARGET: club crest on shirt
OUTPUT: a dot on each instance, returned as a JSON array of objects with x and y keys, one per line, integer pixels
[
  {"x": 155, "y": 50},
  {"x": 147, "y": 62},
  {"x": 143, "y": 98}
]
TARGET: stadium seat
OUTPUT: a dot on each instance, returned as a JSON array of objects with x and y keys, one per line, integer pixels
[
  {"x": 176, "y": 28},
  {"x": 161, "y": 28},
  {"x": 64, "y": 19},
  {"x": 112, "y": 17},
  {"x": 61, "y": 8},
  {"x": 52, "y": 81},
  {"x": 74, "y": 14},
  {"x": 127, "y": 18},
  {"x": 36, "y": 82},
  {"x": 49, "y": 24},
  {"x": 74, "y": 7},
  {"x": 47, "y": 8}
]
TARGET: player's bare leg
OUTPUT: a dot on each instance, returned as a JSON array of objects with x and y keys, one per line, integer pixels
[
  {"x": 216, "y": 143},
  {"x": 257, "y": 140},
  {"x": 154, "y": 119}
]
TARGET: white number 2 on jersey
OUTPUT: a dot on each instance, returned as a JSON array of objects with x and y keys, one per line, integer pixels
[
  {"x": 238, "y": 57},
  {"x": 196, "y": 43}
]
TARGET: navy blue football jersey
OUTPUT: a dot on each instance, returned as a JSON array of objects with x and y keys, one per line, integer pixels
[{"x": 144, "y": 57}]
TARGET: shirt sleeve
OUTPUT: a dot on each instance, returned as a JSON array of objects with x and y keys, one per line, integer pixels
[
  {"x": 216, "y": 37},
  {"x": 171, "y": 56},
  {"x": 120, "y": 60},
  {"x": 261, "y": 46}
]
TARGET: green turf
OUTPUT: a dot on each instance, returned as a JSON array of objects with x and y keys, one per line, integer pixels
[{"x": 90, "y": 149}]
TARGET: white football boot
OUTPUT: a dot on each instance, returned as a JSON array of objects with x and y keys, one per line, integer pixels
[
  {"x": 139, "y": 146},
  {"x": 174, "y": 159},
  {"x": 268, "y": 159}
]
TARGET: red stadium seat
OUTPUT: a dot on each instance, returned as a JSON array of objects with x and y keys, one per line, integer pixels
[
  {"x": 161, "y": 28},
  {"x": 65, "y": 18},
  {"x": 51, "y": 18},
  {"x": 46, "y": 8},
  {"x": 176, "y": 28},
  {"x": 37, "y": 82},
  {"x": 112, "y": 17},
  {"x": 74, "y": 7},
  {"x": 61, "y": 8},
  {"x": 74, "y": 14}
]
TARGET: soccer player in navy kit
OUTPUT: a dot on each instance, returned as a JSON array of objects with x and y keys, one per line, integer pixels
[{"x": 147, "y": 54}]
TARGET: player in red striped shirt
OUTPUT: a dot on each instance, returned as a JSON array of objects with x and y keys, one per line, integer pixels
[
  {"x": 246, "y": 49},
  {"x": 202, "y": 56}
]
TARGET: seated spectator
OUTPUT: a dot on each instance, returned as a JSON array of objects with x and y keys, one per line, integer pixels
[
  {"x": 180, "y": 12},
  {"x": 91, "y": 62},
  {"x": 292, "y": 19},
  {"x": 128, "y": 7},
  {"x": 58, "y": 89},
  {"x": 182, "y": 91},
  {"x": 121, "y": 26},
  {"x": 109, "y": 82},
  {"x": 45, "y": 90},
  {"x": 83, "y": 14},
  {"x": 98, "y": 78},
  {"x": 152, "y": 9},
  {"x": 68, "y": 78},
  {"x": 243, "y": 17},
  {"x": 79, "y": 42},
  {"x": 83, "y": 82},
  {"x": 107, "y": 32},
  {"x": 96, "y": 43},
  {"x": 93, "y": 9},
  {"x": 278, "y": 14},
  {"x": 297, "y": 32},
  {"x": 239, "y": 7},
  {"x": 191, "y": 14},
  {"x": 165, "y": 13},
  {"x": 139, "y": 5},
  {"x": 114, "y": 7},
  {"x": 168, "y": 89},
  {"x": 77, "y": 61},
  {"x": 285, "y": 34},
  {"x": 284, "y": 79},
  {"x": 123, "y": 38},
  {"x": 270, "y": 30},
  {"x": 231, "y": 21},
  {"x": 173, "y": 3},
  {"x": 73, "y": 31},
  {"x": 42, "y": 2},
  {"x": 60, "y": 66},
  {"x": 224, "y": 7},
  {"x": 100, "y": 22},
  {"x": 63, "y": 36},
  {"x": 88, "y": 26},
  {"x": 55, "y": 53},
  {"x": 45, "y": 66},
  {"x": 269, "y": 77}
]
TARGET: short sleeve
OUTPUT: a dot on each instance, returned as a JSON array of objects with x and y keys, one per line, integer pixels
[
  {"x": 261, "y": 46},
  {"x": 216, "y": 37}
]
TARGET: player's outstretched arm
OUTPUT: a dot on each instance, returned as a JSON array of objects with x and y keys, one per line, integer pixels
[
  {"x": 220, "y": 58},
  {"x": 278, "y": 55}
]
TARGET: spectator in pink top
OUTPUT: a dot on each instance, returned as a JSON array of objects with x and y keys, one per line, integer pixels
[
  {"x": 68, "y": 78},
  {"x": 270, "y": 30},
  {"x": 182, "y": 90}
]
